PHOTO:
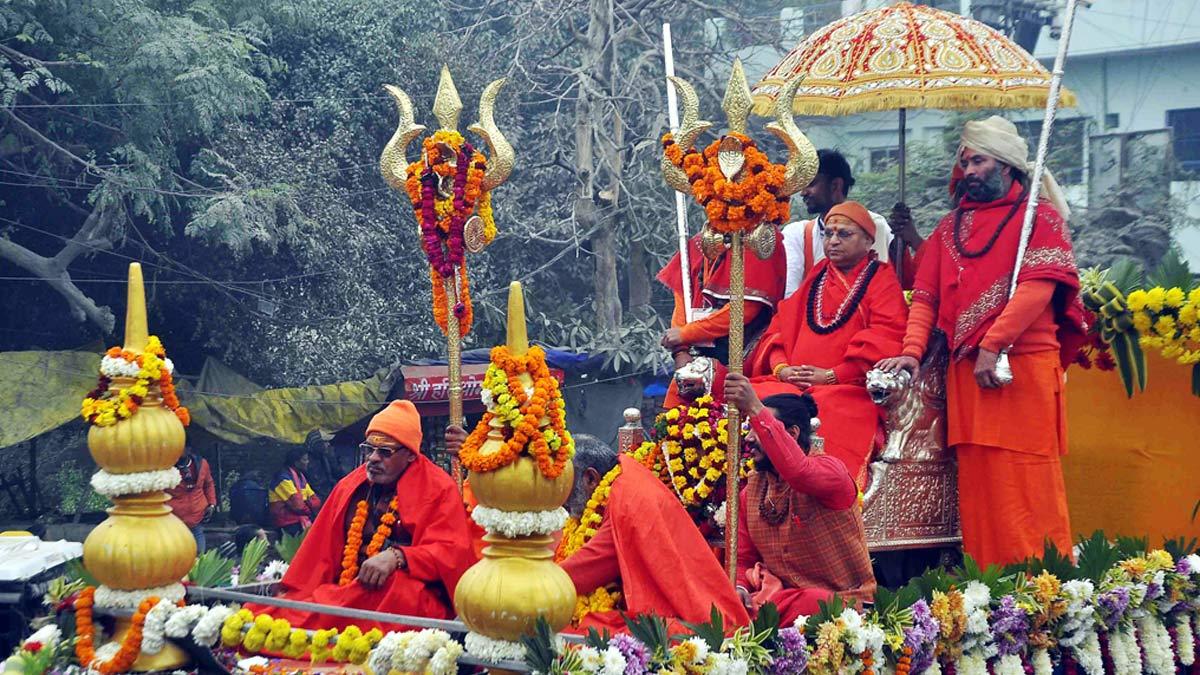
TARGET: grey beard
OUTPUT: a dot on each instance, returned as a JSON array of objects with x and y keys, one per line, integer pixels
[
  {"x": 988, "y": 190},
  {"x": 578, "y": 500}
]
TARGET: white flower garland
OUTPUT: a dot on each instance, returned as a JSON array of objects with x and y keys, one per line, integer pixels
[
  {"x": 427, "y": 651},
  {"x": 1089, "y": 655},
  {"x": 971, "y": 664},
  {"x": 117, "y": 484},
  {"x": 183, "y": 619},
  {"x": 208, "y": 629},
  {"x": 1185, "y": 640},
  {"x": 1123, "y": 648},
  {"x": 934, "y": 668},
  {"x": 1010, "y": 664},
  {"x": 111, "y": 366},
  {"x": 491, "y": 649},
  {"x": 519, "y": 523},
  {"x": 1042, "y": 665},
  {"x": 380, "y": 660},
  {"x": 977, "y": 640},
  {"x": 155, "y": 627},
  {"x": 108, "y": 598},
  {"x": 1156, "y": 646}
]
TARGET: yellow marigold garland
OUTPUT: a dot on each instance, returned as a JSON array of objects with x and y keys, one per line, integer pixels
[
  {"x": 521, "y": 415},
  {"x": 689, "y": 453},
  {"x": 104, "y": 406},
  {"x": 276, "y": 636},
  {"x": 577, "y": 533}
]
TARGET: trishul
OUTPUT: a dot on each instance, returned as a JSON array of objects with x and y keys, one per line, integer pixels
[
  {"x": 731, "y": 159},
  {"x": 447, "y": 107},
  {"x": 801, "y": 165}
]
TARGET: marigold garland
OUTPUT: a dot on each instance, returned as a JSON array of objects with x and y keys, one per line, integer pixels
[
  {"x": 442, "y": 219},
  {"x": 687, "y": 452},
  {"x": 104, "y": 406},
  {"x": 577, "y": 533},
  {"x": 733, "y": 205},
  {"x": 521, "y": 414},
  {"x": 354, "y": 537},
  {"x": 277, "y": 636},
  {"x": 85, "y": 630}
]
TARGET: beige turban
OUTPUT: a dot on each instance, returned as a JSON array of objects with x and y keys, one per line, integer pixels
[{"x": 997, "y": 137}]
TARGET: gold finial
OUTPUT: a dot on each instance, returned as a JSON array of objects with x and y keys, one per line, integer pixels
[
  {"x": 447, "y": 106},
  {"x": 392, "y": 163},
  {"x": 136, "y": 332},
  {"x": 737, "y": 102},
  {"x": 500, "y": 164},
  {"x": 518, "y": 338}
]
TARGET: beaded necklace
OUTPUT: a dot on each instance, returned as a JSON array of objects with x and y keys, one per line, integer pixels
[
  {"x": 767, "y": 509},
  {"x": 961, "y": 245},
  {"x": 816, "y": 296}
]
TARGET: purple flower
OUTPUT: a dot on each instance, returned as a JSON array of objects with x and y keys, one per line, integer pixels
[
  {"x": 792, "y": 656},
  {"x": 1112, "y": 605},
  {"x": 921, "y": 637},
  {"x": 1183, "y": 567},
  {"x": 637, "y": 657},
  {"x": 1010, "y": 627}
]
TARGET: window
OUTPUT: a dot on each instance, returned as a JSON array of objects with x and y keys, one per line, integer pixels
[
  {"x": 883, "y": 159},
  {"x": 1185, "y": 130},
  {"x": 1064, "y": 157},
  {"x": 1112, "y": 120}
]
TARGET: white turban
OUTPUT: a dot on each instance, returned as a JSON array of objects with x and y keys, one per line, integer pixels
[{"x": 997, "y": 137}]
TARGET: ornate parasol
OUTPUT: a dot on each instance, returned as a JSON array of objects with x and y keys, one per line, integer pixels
[{"x": 906, "y": 56}]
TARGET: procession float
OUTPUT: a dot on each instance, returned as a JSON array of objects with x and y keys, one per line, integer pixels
[{"x": 1113, "y": 605}]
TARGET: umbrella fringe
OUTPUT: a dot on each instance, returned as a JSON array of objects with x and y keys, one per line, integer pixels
[{"x": 764, "y": 104}]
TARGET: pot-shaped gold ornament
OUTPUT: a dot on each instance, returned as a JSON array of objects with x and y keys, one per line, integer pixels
[
  {"x": 141, "y": 544},
  {"x": 151, "y": 440}
]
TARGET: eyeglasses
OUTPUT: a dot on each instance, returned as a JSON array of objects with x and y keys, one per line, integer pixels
[{"x": 384, "y": 452}]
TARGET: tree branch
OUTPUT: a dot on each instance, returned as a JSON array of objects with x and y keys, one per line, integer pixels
[
  {"x": 21, "y": 56},
  {"x": 82, "y": 307}
]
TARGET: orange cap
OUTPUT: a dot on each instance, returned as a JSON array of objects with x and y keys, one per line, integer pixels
[
  {"x": 855, "y": 212},
  {"x": 399, "y": 421}
]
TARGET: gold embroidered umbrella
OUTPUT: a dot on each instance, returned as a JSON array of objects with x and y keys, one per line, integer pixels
[{"x": 906, "y": 56}]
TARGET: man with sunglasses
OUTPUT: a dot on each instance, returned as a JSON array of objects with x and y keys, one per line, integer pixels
[{"x": 392, "y": 536}]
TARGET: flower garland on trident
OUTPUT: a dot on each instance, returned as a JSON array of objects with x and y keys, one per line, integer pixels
[
  {"x": 105, "y": 405},
  {"x": 448, "y": 156},
  {"x": 577, "y": 533},
  {"x": 740, "y": 205},
  {"x": 520, "y": 412}
]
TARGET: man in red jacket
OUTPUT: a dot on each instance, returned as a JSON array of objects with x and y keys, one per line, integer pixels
[{"x": 194, "y": 500}]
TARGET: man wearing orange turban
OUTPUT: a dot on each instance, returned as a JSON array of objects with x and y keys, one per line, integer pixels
[
  {"x": 392, "y": 537},
  {"x": 848, "y": 313}
]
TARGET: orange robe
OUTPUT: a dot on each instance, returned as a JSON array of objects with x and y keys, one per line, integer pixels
[
  {"x": 851, "y": 423},
  {"x": 649, "y": 545},
  {"x": 431, "y": 517},
  {"x": 1008, "y": 440}
]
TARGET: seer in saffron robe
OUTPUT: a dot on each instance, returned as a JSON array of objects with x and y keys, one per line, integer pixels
[
  {"x": 1008, "y": 438},
  {"x": 631, "y": 547},
  {"x": 848, "y": 314},
  {"x": 392, "y": 537},
  {"x": 800, "y": 528}
]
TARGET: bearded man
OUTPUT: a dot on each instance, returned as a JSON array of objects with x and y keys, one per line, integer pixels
[
  {"x": 392, "y": 536},
  {"x": 848, "y": 314},
  {"x": 800, "y": 529},
  {"x": 631, "y": 537},
  {"x": 1008, "y": 438}
]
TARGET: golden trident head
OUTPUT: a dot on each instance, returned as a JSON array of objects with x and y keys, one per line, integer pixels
[
  {"x": 801, "y": 164},
  {"x": 447, "y": 107}
]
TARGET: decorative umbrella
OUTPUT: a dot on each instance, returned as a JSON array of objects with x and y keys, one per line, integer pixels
[{"x": 906, "y": 56}]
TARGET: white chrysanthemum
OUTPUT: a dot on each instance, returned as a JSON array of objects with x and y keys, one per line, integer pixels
[
  {"x": 1185, "y": 640},
  {"x": 274, "y": 571},
  {"x": 800, "y": 622},
  {"x": 971, "y": 664},
  {"x": 1042, "y": 665},
  {"x": 491, "y": 649},
  {"x": 724, "y": 664},
  {"x": 590, "y": 659},
  {"x": 116, "y": 485},
  {"x": 701, "y": 649},
  {"x": 1088, "y": 654},
  {"x": 380, "y": 660},
  {"x": 719, "y": 515},
  {"x": 445, "y": 660},
  {"x": 1193, "y": 563},
  {"x": 155, "y": 627},
  {"x": 1010, "y": 664},
  {"x": 183, "y": 619},
  {"x": 1156, "y": 646},
  {"x": 485, "y": 397},
  {"x": 109, "y": 598},
  {"x": 612, "y": 662},
  {"x": 208, "y": 629},
  {"x": 519, "y": 523},
  {"x": 1126, "y": 657}
]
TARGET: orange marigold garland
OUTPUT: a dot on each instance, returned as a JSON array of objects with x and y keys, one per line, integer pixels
[
  {"x": 105, "y": 405},
  {"x": 85, "y": 630},
  {"x": 520, "y": 413},
  {"x": 354, "y": 537},
  {"x": 733, "y": 205}
]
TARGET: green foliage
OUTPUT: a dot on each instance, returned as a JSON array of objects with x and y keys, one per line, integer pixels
[
  {"x": 826, "y": 611},
  {"x": 712, "y": 632},
  {"x": 994, "y": 577},
  {"x": 1126, "y": 276},
  {"x": 1172, "y": 272},
  {"x": 1096, "y": 556},
  {"x": 1052, "y": 561},
  {"x": 76, "y": 573},
  {"x": 541, "y": 651},
  {"x": 652, "y": 632},
  {"x": 1128, "y": 547},
  {"x": 211, "y": 570},
  {"x": 288, "y": 545},
  {"x": 1180, "y": 547},
  {"x": 253, "y": 556},
  {"x": 73, "y": 487}
]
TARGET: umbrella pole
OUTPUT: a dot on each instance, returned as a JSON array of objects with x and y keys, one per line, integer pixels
[{"x": 902, "y": 159}]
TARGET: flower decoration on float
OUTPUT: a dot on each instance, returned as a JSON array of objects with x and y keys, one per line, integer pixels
[
  {"x": 735, "y": 183},
  {"x": 450, "y": 187},
  {"x": 577, "y": 533},
  {"x": 150, "y": 370},
  {"x": 532, "y": 419}
]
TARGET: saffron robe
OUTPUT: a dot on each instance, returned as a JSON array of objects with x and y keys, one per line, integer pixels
[
  {"x": 764, "y": 282},
  {"x": 649, "y": 545},
  {"x": 851, "y": 423},
  {"x": 430, "y": 515},
  {"x": 820, "y": 548},
  {"x": 1008, "y": 440}
]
